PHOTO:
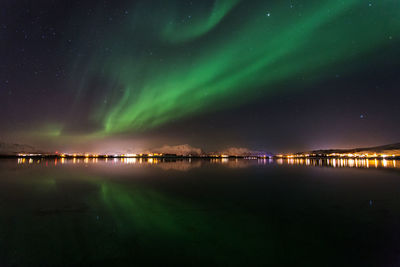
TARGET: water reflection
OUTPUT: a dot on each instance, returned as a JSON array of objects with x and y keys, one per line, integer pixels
[
  {"x": 179, "y": 164},
  {"x": 215, "y": 213},
  {"x": 105, "y": 216},
  {"x": 342, "y": 163},
  {"x": 188, "y": 163}
]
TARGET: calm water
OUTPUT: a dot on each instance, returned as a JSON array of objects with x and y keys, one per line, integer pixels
[{"x": 199, "y": 212}]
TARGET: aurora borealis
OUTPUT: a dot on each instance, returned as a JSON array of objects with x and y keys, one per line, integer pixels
[
  {"x": 165, "y": 71},
  {"x": 199, "y": 132}
]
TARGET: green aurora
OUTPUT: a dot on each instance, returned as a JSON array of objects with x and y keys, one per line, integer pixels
[{"x": 185, "y": 60}]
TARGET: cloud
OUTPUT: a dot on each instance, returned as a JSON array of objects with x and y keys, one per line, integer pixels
[
  {"x": 179, "y": 150},
  {"x": 12, "y": 149},
  {"x": 241, "y": 151}
]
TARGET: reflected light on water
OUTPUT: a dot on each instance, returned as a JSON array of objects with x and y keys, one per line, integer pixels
[
  {"x": 130, "y": 160},
  {"x": 186, "y": 164},
  {"x": 345, "y": 163},
  {"x": 384, "y": 162}
]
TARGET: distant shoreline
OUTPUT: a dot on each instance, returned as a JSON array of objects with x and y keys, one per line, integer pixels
[
  {"x": 120, "y": 156},
  {"x": 194, "y": 157}
]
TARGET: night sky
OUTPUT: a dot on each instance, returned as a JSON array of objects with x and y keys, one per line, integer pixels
[{"x": 267, "y": 75}]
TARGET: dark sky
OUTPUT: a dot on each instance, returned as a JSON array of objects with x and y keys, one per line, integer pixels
[{"x": 267, "y": 75}]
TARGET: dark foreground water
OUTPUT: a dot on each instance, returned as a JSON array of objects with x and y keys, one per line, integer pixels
[{"x": 200, "y": 212}]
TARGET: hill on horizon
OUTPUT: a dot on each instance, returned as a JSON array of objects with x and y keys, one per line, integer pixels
[{"x": 391, "y": 149}]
